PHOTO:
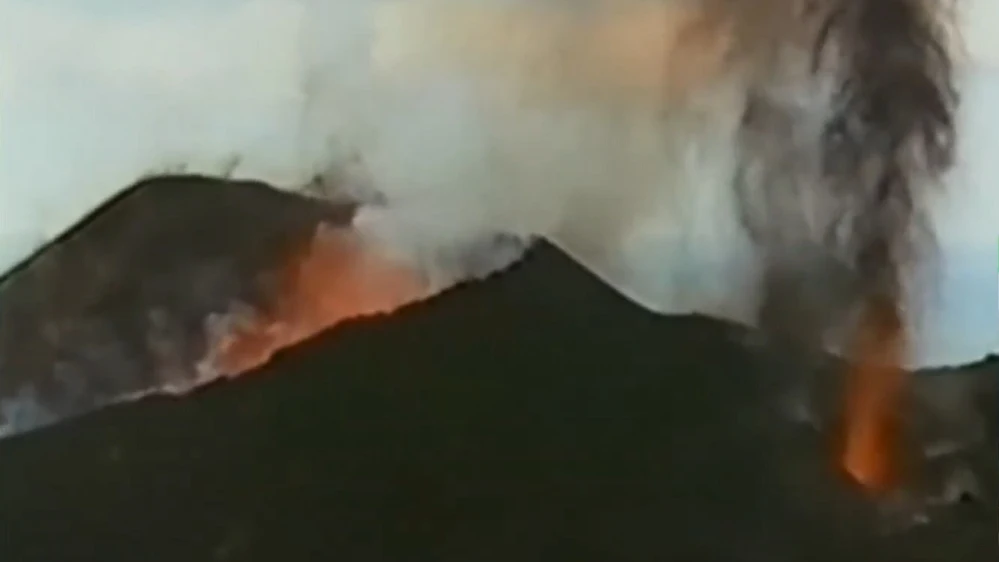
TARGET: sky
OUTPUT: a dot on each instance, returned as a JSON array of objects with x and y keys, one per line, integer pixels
[{"x": 83, "y": 83}]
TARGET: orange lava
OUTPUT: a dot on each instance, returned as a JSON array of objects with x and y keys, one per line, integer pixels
[
  {"x": 334, "y": 279},
  {"x": 874, "y": 391}
]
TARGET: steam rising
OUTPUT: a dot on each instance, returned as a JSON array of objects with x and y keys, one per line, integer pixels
[{"x": 467, "y": 125}]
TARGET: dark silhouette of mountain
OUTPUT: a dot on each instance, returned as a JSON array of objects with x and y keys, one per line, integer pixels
[{"x": 536, "y": 416}]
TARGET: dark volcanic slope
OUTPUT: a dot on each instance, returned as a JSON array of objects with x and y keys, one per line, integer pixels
[
  {"x": 119, "y": 304},
  {"x": 534, "y": 417}
]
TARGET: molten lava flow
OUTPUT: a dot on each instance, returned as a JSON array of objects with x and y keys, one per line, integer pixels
[
  {"x": 874, "y": 390},
  {"x": 333, "y": 280}
]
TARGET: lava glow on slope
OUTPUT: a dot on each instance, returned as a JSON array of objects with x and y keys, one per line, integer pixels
[
  {"x": 334, "y": 279},
  {"x": 337, "y": 277}
]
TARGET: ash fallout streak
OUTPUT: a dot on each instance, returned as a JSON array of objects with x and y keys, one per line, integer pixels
[{"x": 843, "y": 203}]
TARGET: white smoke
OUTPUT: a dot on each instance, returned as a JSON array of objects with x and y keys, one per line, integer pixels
[{"x": 97, "y": 94}]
